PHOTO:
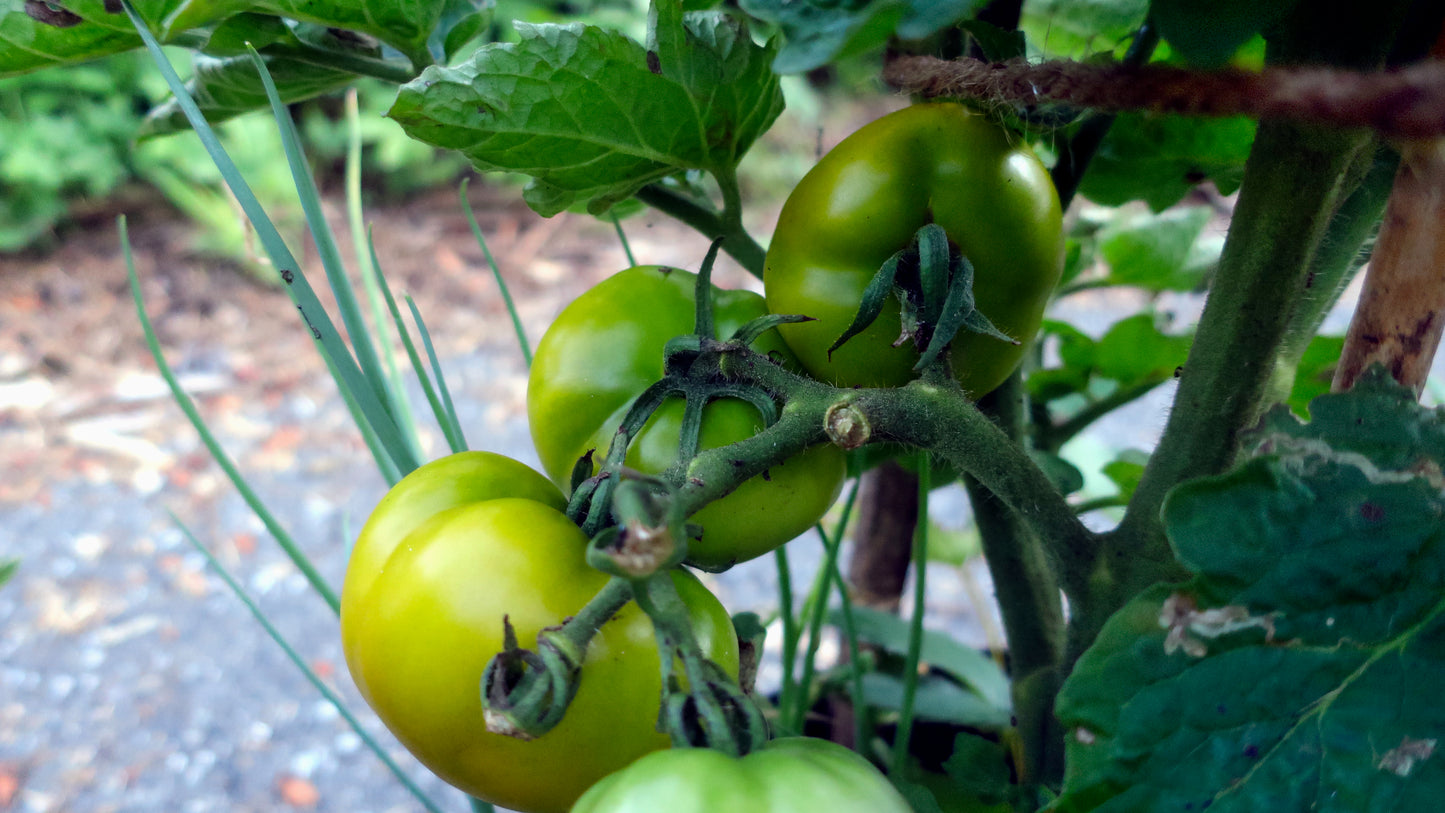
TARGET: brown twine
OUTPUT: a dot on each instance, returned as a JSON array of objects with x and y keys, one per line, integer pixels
[{"x": 1408, "y": 103}]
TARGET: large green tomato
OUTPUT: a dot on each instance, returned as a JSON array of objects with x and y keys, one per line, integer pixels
[
  {"x": 450, "y": 550},
  {"x": 606, "y": 347},
  {"x": 789, "y": 775},
  {"x": 865, "y": 200}
]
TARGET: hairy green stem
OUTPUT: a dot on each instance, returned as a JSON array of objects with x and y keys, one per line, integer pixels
[
  {"x": 1292, "y": 186},
  {"x": 932, "y": 415},
  {"x": 1027, "y": 588},
  {"x": 736, "y": 241},
  {"x": 1336, "y": 262}
]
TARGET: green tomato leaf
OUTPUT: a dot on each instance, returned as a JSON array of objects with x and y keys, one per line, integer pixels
[
  {"x": 1300, "y": 668},
  {"x": 231, "y": 36},
  {"x": 997, "y": 44},
  {"x": 971, "y": 667},
  {"x": 1159, "y": 252},
  {"x": 7, "y": 570},
  {"x": 1126, "y": 470},
  {"x": 979, "y": 768},
  {"x": 822, "y": 31},
  {"x": 594, "y": 116},
  {"x": 404, "y": 24},
  {"x": 938, "y": 699},
  {"x": 224, "y": 88},
  {"x": 1073, "y": 29},
  {"x": 462, "y": 24},
  {"x": 1158, "y": 159},
  {"x": 1065, "y": 476},
  {"x": 1135, "y": 352},
  {"x": 1315, "y": 372},
  {"x": 1207, "y": 34},
  {"x": 40, "y": 35}
]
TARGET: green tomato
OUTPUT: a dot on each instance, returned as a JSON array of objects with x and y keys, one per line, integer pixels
[
  {"x": 787, "y": 776},
  {"x": 606, "y": 347},
  {"x": 865, "y": 200},
  {"x": 452, "y": 549}
]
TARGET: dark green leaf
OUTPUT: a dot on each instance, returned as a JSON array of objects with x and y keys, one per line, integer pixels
[
  {"x": 1300, "y": 668},
  {"x": 822, "y": 31},
  {"x": 1208, "y": 34},
  {"x": 404, "y": 24},
  {"x": 582, "y": 110},
  {"x": 920, "y": 799},
  {"x": 85, "y": 31},
  {"x": 942, "y": 652},
  {"x": 224, "y": 88},
  {"x": 7, "y": 570},
  {"x": 1065, "y": 476},
  {"x": 997, "y": 44},
  {"x": 1159, "y": 252},
  {"x": 979, "y": 767},
  {"x": 1158, "y": 159},
  {"x": 937, "y": 699}
]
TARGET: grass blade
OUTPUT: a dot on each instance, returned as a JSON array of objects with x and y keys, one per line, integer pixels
[
  {"x": 455, "y": 442},
  {"x": 372, "y": 280},
  {"x": 622, "y": 238},
  {"x": 317, "y": 321},
  {"x": 452, "y": 427},
  {"x": 915, "y": 628},
  {"x": 295, "y": 657},
  {"x": 497, "y": 275},
  {"x": 302, "y": 562},
  {"x": 786, "y": 695},
  {"x": 356, "y": 329},
  {"x": 817, "y": 604},
  {"x": 217, "y": 452}
]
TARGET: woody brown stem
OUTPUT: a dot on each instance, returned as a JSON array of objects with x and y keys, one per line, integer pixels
[
  {"x": 1402, "y": 307},
  {"x": 1407, "y": 103}
]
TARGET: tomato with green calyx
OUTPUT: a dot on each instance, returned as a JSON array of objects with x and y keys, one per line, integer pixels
[
  {"x": 788, "y": 775},
  {"x": 452, "y": 549},
  {"x": 606, "y": 347},
  {"x": 865, "y": 201}
]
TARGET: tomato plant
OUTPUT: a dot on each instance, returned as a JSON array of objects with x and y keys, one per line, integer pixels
[
  {"x": 790, "y": 774},
  {"x": 606, "y": 347},
  {"x": 863, "y": 202},
  {"x": 451, "y": 549},
  {"x": 1300, "y": 561}
]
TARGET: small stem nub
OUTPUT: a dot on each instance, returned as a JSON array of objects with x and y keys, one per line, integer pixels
[{"x": 847, "y": 426}]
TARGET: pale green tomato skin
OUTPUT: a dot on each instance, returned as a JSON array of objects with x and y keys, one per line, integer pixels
[
  {"x": 867, "y": 198},
  {"x": 791, "y": 775},
  {"x": 606, "y": 347},
  {"x": 437, "y": 568}
]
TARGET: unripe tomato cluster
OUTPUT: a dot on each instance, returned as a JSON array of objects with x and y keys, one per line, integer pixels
[{"x": 466, "y": 540}]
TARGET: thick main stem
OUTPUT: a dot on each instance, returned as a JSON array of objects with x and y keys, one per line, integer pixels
[
  {"x": 1292, "y": 186},
  {"x": 1027, "y": 587}
]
